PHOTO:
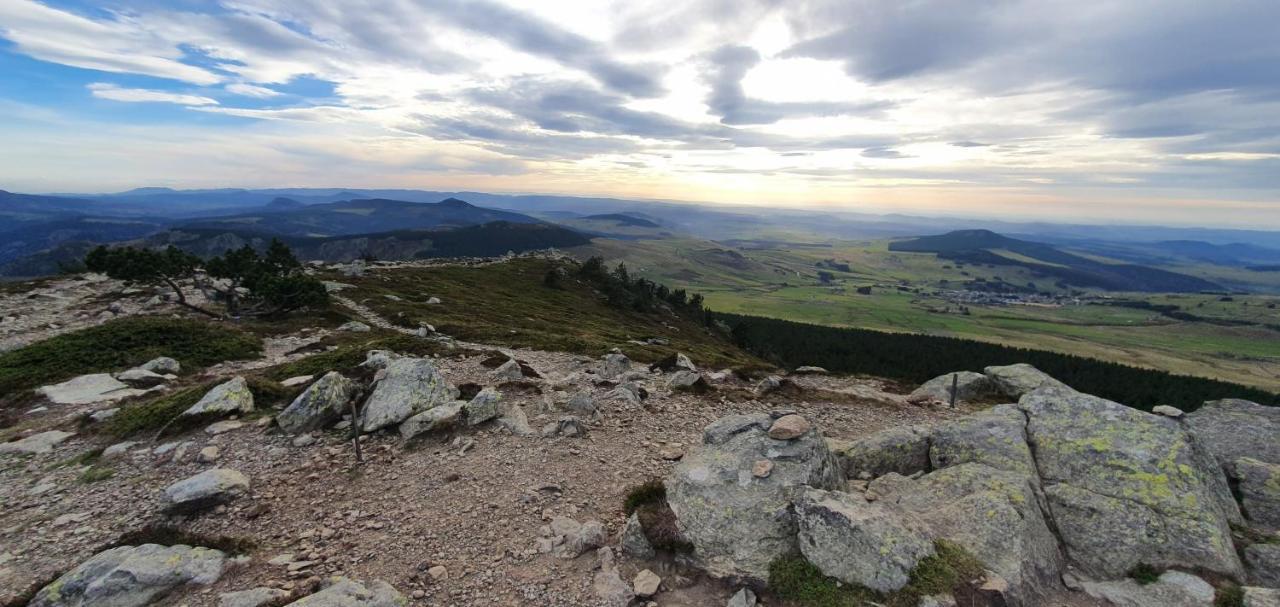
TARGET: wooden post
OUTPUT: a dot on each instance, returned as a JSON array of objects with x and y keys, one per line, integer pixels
[
  {"x": 955, "y": 384},
  {"x": 355, "y": 432}
]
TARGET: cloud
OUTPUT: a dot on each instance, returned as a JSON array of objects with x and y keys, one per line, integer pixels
[
  {"x": 103, "y": 90},
  {"x": 249, "y": 90}
]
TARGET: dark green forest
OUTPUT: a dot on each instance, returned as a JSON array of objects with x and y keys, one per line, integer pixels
[{"x": 915, "y": 359}]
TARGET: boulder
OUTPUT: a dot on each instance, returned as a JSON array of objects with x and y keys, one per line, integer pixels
[
  {"x": 1016, "y": 380},
  {"x": 743, "y": 598},
  {"x": 355, "y": 326},
  {"x": 1126, "y": 487},
  {"x": 992, "y": 513},
  {"x": 904, "y": 450},
  {"x": 646, "y": 584},
  {"x": 608, "y": 585},
  {"x": 567, "y": 425},
  {"x": 43, "y": 442},
  {"x": 88, "y": 389},
  {"x": 674, "y": 362},
  {"x": 229, "y": 397},
  {"x": 162, "y": 365},
  {"x": 211, "y": 487},
  {"x": 857, "y": 542},
  {"x": 254, "y": 597},
  {"x": 378, "y": 359},
  {"x": 1171, "y": 589},
  {"x": 483, "y": 407},
  {"x": 435, "y": 418},
  {"x": 346, "y": 592},
  {"x": 970, "y": 386},
  {"x": 628, "y": 393},
  {"x": 508, "y": 371},
  {"x": 688, "y": 381},
  {"x": 322, "y": 403},
  {"x": 131, "y": 576},
  {"x": 996, "y": 437},
  {"x": 613, "y": 365},
  {"x": 789, "y": 427},
  {"x": 514, "y": 419},
  {"x": 1232, "y": 428},
  {"x": 406, "y": 387},
  {"x": 1259, "y": 486},
  {"x": 736, "y": 522},
  {"x": 141, "y": 378},
  {"x": 581, "y": 404},
  {"x": 1263, "y": 563},
  {"x": 769, "y": 385},
  {"x": 633, "y": 542}
]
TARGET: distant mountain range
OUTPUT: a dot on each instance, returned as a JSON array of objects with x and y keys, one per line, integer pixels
[
  {"x": 987, "y": 247},
  {"x": 360, "y": 217}
]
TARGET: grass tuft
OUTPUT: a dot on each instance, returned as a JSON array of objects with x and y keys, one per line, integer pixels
[
  {"x": 649, "y": 492},
  {"x": 1144, "y": 574},
  {"x": 152, "y": 414},
  {"x": 96, "y": 473},
  {"x": 947, "y": 571}
]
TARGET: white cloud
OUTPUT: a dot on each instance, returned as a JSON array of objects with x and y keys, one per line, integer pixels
[
  {"x": 249, "y": 90},
  {"x": 103, "y": 90}
]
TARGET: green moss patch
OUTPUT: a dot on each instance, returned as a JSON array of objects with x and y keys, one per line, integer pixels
[
  {"x": 948, "y": 571},
  {"x": 152, "y": 414}
]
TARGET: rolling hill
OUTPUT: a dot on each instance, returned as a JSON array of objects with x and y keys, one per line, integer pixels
[
  {"x": 987, "y": 247},
  {"x": 361, "y": 217}
]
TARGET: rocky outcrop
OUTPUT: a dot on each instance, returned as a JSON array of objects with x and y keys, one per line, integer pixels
[
  {"x": 88, "y": 389},
  {"x": 738, "y": 522},
  {"x": 858, "y": 542},
  {"x": 969, "y": 386},
  {"x": 1232, "y": 428},
  {"x": 229, "y": 397},
  {"x": 131, "y": 576},
  {"x": 484, "y": 406},
  {"x": 211, "y": 487},
  {"x": 433, "y": 419},
  {"x": 1126, "y": 487},
  {"x": 322, "y": 403},
  {"x": 1259, "y": 486},
  {"x": 346, "y": 592},
  {"x": 1263, "y": 563},
  {"x": 405, "y": 387},
  {"x": 903, "y": 450},
  {"x": 996, "y": 437},
  {"x": 1015, "y": 381}
]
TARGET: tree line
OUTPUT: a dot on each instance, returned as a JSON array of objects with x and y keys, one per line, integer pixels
[
  {"x": 916, "y": 358},
  {"x": 639, "y": 294}
]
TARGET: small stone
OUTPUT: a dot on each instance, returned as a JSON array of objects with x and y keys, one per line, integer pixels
[
  {"x": 646, "y": 583},
  {"x": 671, "y": 453},
  {"x": 118, "y": 450},
  {"x": 762, "y": 468},
  {"x": 208, "y": 455},
  {"x": 438, "y": 573},
  {"x": 223, "y": 427},
  {"x": 297, "y": 381},
  {"x": 305, "y": 440},
  {"x": 789, "y": 427},
  {"x": 1168, "y": 411},
  {"x": 743, "y": 598}
]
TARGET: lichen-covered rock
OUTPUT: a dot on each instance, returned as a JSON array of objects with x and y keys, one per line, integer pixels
[
  {"x": 633, "y": 542},
  {"x": 1171, "y": 589},
  {"x": 857, "y": 542},
  {"x": 162, "y": 365},
  {"x": 688, "y": 381},
  {"x": 88, "y": 389},
  {"x": 228, "y": 397},
  {"x": 993, "y": 514},
  {"x": 969, "y": 386},
  {"x": 1126, "y": 487},
  {"x": 131, "y": 576},
  {"x": 1259, "y": 485},
  {"x": 322, "y": 403},
  {"x": 345, "y": 592},
  {"x": 43, "y": 442},
  {"x": 1261, "y": 597},
  {"x": 1014, "y": 381},
  {"x": 739, "y": 523},
  {"x": 904, "y": 450},
  {"x": 483, "y": 407},
  {"x": 1263, "y": 563},
  {"x": 508, "y": 371},
  {"x": 435, "y": 418},
  {"x": 355, "y": 326},
  {"x": 213, "y": 486},
  {"x": 407, "y": 386},
  {"x": 996, "y": 437},
  {"x": 581, "y": 404},
  {"x": 1234, "y": 428},
  {"x": 614, "y": 365}
]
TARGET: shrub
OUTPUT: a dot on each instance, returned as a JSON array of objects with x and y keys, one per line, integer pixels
[
  {"x": 1229, "y": 595},
  {"x": 649, "y": 492},
  {"x": 120, "y": 344}
]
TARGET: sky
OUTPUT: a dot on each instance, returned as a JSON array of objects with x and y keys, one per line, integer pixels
[{"x": 1155, "y": 111}]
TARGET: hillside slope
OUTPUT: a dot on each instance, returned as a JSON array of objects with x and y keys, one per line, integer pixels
[{"x": 362, "y": 217}]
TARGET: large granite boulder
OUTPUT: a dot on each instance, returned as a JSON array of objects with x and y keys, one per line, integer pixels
[
  {"x": 858, "y": 542},
  {"x": 1234, "y": 428},
  {"x": 996, "y": 437},
  {"x": 322, "y": 403},
  {"x": 1171, "y": 589},
  {"x": 406, "y": 387},
  {"x": 1014, "y": 381},
  {"x": 88, "y": 389},
  {"x": 484, "y": 406},
  {"x": 969, "y": 386},
  {"x": 904, "y": 450},
  {"x": 1259, "y": 486},
  {"x": 738, "y": 522},
  {"x": 1263, "y": 562},
  {"x": 992, "y": 513},
  {"x": 346, "y": 592},
  {"x": 1126, "y": 487},
  {"x": 229, "y": 397},
  {"x": 131, "y": 576},
  {"x": 211, "y": 487}
]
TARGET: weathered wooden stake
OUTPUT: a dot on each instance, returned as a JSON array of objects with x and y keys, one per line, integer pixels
[
  {"x": 955, "y": 384},
  {"x": 355, "y": 432}
]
